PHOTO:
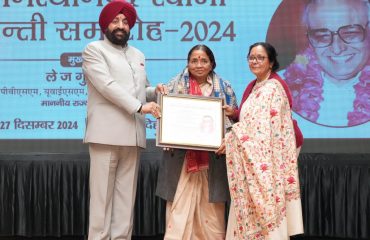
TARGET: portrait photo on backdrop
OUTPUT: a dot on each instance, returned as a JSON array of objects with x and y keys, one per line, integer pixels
[{"x": 329, "y": 73}]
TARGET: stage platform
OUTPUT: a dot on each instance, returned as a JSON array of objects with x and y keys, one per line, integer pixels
[{"x": 45, "y": 196}]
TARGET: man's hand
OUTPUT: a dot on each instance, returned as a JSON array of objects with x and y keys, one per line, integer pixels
[
  {"x": 161, "y": 88},
  {"x": 152, "y": 108}
]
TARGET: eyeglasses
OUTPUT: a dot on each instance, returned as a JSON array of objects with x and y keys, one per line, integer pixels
[
  {"x": 202, "y": 62},
  {"x": 323, "y": 37},
  {"x": 259, "y": 58}
]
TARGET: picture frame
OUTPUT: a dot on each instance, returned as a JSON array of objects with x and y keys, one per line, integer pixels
[{"x": 190, "y": 122}]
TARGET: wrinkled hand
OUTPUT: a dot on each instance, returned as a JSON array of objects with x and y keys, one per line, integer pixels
[
  {"x": 229, "y": 110},
  {"x": 152, "y": 108},
  {"x": 222, "y": 149},
  {"x": 161, "y": 88}
]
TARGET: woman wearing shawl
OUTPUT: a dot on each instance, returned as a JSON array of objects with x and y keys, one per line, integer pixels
[
  {"x": 261, "y": 156},
  {"x": 194, "y": 183}
]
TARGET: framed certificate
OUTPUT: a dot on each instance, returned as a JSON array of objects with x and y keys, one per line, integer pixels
[{"x": 190, "y": 122}]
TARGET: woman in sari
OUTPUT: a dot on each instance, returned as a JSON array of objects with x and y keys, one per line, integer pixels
[
  {"x": 194, "y": 183},
  {"x": 261, "y": 156}
]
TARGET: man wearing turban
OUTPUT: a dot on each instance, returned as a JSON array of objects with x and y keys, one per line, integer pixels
[{"x": 118, "y": 91}]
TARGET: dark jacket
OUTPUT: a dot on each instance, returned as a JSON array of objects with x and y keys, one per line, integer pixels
[{"x": 170, "y": 170}]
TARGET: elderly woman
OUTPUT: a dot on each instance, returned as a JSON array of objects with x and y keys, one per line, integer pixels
[
  {"x": 261, "y": 156},
  {"x": 194, "y": 183}
]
